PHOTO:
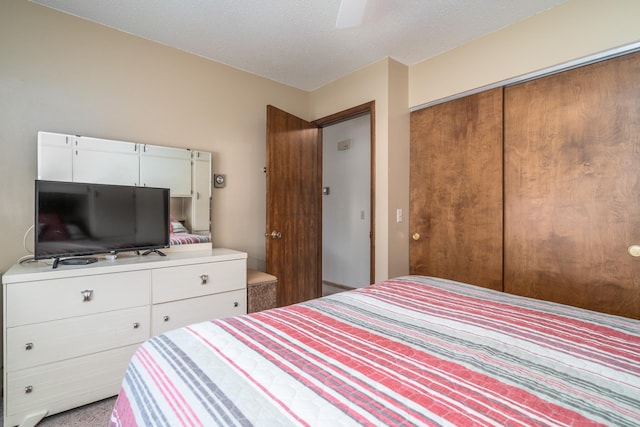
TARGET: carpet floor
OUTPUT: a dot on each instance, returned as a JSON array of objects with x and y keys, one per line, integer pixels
[{"x": 95, "y": 414}]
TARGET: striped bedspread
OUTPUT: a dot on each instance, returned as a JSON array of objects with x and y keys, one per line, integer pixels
[
  {"x": 186, "y": 238},
  {"x": 408, "y": 351}
]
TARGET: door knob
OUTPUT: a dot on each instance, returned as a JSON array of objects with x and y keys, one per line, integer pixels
[
  {"x": 416, "y": 236},
  {"x": 276, "y": 235}
]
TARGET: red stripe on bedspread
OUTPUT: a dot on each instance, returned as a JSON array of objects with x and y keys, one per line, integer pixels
[
  {"x": 419, "y": 351},
  {"x": 604, "y": 344},
  {"x": 351, "y": 393},
  {"x": 424, "y": 379},
  {"x": 185, "y": 239},
  {"x": 262, "y": 388},
  {"x": 122, "y": 415},
  {"x": 167, "y": 388}
]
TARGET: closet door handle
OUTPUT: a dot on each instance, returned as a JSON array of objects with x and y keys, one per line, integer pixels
[{"x": 634, "y": 250}]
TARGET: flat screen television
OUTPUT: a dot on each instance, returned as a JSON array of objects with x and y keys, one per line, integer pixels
[{"x": 73, "y": 219}]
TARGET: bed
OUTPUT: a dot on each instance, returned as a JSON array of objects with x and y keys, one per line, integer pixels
[
  {"x": 187, "y": 238},
  {"x": 409, "y": 351},
  {"x": 179, "y": 235}
]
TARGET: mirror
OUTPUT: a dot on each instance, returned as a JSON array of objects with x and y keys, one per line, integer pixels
[
  {"x": 190, "y": 215},
  {"x": 187, "y": 173}
]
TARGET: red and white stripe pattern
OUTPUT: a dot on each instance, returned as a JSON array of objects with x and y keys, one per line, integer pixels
[
  {"x": 186, "y": 239},
  {"x": 409, "y": 351}
]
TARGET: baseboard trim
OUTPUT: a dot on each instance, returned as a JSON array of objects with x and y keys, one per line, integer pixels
[{"x": 337, "y": 285}]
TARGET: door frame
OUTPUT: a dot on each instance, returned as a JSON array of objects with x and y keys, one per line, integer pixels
[{"x": 342, "y": 116}]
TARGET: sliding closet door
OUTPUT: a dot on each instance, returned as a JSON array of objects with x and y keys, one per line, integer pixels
[
  {"x": 572, "y": 187},
  {"x": 456, "y": 190}
]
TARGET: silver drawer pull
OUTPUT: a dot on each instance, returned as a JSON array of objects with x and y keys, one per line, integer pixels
[
  {"x": 204, "y": 278},
  {"x": 28, "y": 389},
  {"x": 165, "y": 318},
  {"x": 136, "y": 325},
  {"x": 87, "y": 294},
  {"x": 28, "y": 346}
]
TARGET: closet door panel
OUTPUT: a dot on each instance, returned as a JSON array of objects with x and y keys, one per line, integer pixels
[
  {"x": 572, "y": 187},
  {"x": 456, "y": 190}
]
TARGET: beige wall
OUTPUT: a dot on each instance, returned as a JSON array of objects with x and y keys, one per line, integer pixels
[
  {"x": 398, "y": 169},
  {"x": 62, "y": 74},
  {"x": 573, "y": 30},
  {"x": 385, "y": 83}
]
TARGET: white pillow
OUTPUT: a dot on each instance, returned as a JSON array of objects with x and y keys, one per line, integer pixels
[{"x": 178, "y": 227}]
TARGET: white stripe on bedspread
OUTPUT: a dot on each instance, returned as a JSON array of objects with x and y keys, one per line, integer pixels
[{"x": 409, "y": 351}]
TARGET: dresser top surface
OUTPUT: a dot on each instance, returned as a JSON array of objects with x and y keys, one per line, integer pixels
[{"x": 42, "y": 270}]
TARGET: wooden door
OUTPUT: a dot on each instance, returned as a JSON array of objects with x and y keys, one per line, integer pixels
[
  {"x": 294, "y": 206},
  {"x": 572, "y": 187},
  {"x": 456, "y": 190}
]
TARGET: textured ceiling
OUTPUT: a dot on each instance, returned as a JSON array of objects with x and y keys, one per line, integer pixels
[{"x": 296, "y": 42}]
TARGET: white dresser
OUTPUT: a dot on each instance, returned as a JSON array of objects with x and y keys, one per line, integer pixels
[{"x": 69, "y": 333}]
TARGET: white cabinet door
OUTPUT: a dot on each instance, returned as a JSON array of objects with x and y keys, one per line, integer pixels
[
  {"x": 60, "y": 298},
  {"x": 195, "y": 280},
  {"x": 71, "y": 332},
  {"x": 105, "y": 161},
  {"x": 63, "y": 385},
  {"x": 201, "y": 202},
  {"x": 176, "y": 314},
  {"x": 166, "y": 167},
  {"x": 47, "y": 342},
  {"x": 55, "y": 156}
]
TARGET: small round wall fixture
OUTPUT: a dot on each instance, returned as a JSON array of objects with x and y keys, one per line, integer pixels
[{"x": 219, "y": 180}]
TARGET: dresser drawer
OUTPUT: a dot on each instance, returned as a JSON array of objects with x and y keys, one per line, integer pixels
[
  {"x": 170, "y": 284},
  {"x": 45, "y": 300},
  {"x": 172, "y": 315},
  {"x": 36, "y": 344},
  {"x": 64, "y": 385}
]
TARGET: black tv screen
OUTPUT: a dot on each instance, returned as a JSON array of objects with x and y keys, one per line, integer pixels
[{"x": 73, "y": 218}]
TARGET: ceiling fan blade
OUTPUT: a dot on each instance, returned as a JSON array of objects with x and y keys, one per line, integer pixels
[{"x": 350, "y": 13}]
